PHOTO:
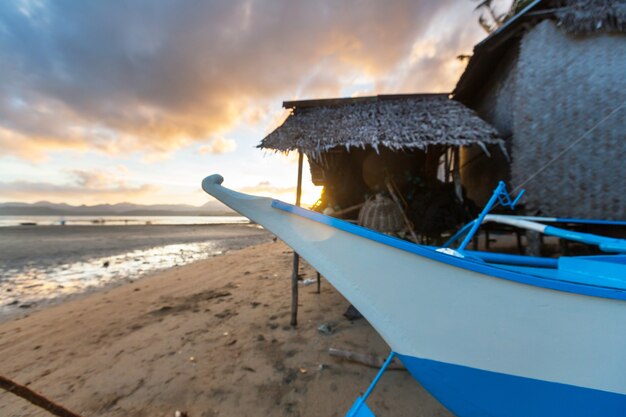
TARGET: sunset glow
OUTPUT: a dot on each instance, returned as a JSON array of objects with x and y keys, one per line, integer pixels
[{"x": 138, "y": 102}]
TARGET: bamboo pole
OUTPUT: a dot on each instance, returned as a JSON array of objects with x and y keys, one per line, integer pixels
[
  {"x": 296, "y": 257},
  {"x": 371, "y": 360},
  {"x": 347, "y": 210},
  {"x": 396, "y": 200},
  {"x": 456, "y": 174}
]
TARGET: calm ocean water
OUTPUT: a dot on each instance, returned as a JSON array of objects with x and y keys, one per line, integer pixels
[
  {"x": 117, "y": 220},
  {"x": 49, "y": 262}
]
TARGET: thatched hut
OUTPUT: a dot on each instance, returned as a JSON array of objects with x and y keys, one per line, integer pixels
[
  {"x": 552, "y": 81},
  {"x": 359, "y": 147}
]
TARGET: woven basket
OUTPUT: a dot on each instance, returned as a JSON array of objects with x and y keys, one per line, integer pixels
[{"x": 380, "y": 213}]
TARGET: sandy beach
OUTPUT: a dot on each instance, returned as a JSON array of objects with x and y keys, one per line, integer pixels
[{"x": 211, "y": 339}]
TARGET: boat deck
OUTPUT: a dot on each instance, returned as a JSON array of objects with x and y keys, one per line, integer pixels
[{"x": 601, "y": 270}]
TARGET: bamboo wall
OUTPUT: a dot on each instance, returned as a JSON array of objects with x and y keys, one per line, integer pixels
[
  {"x": 547, "y": 91},
  {"x": 565, "y": 85},
  {"x": 494, "y": 103}
]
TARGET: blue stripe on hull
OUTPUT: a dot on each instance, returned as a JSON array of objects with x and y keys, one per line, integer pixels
[
  {"x": 470, "y": 392},
  {"x": 482, "y": 268}
]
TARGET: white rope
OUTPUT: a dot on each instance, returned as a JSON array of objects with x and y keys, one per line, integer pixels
[{"x": 571, "y": 145}]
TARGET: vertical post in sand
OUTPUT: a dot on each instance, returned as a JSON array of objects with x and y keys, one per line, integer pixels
[
  {"x": 296, "y": 257},
  {"x": 319, "y": 278}
]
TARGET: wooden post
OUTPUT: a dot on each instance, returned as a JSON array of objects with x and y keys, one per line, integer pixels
[
  {"x": 294, "y": 289},
  {"x": 319, "y": 284},
  {"x": 446, "y": 165},
  {"x": 456, "y": 174},
  {"x": 520, "y": 247},
  {"x": 296, "y": 257}
]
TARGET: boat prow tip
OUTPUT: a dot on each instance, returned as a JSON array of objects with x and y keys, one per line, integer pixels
[{"x": 212, "y": 180}]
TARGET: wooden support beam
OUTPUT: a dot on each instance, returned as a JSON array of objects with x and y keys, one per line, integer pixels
[
  {"x": 296, "y": 257},
  {"x": 456, "y": 174},
  {"x": 294, "y": 289},
  {"x": 299, "y": 188},
  {"x": 319, "y": 282},
  {"x": 446, "y": 165}
]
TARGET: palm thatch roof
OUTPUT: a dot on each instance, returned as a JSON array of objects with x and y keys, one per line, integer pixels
[
  {"x": 580, "y": 17},
  {"x": 588, "y": 16},
  {"x": 397, "y": 122}
]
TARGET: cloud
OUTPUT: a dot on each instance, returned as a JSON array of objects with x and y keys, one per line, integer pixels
[
  {"x": 218, "y": 146},
  {"x": 310, "y": 193},
  {"x": 266, "y": 188},
  {"x": 157, "y": 75},
  {"x": 433, "y": 61},
  {"x": 83, "y": 187}
]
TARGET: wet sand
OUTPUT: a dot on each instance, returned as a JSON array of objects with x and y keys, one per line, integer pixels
[
  {"x": 49, "y": 245},
  {"x": 212, "y": 339},
  {"x": 45, "y": 264}
]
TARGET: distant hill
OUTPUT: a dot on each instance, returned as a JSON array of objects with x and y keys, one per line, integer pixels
[{"x": 45, "y": 208}]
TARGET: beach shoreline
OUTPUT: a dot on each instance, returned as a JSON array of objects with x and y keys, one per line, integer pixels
[
  {"x": 211, "y": 338},
  {"x": 55, "y": 244},
  {"x": 45, "y": 265}
]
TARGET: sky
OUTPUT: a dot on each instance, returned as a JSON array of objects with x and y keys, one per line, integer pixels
[{"x": 138, "y": 100}]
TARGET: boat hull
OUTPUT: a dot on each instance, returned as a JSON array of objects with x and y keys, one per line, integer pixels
[
  {"x": 470, "y": 392},
  {"x": 483, "y": 341}
]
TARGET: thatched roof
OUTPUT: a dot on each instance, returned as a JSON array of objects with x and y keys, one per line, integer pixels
[
  {"x": 578, "y": 16},
  {"x": 396, "y": 122},
  {"x": 573, "y": 16}
]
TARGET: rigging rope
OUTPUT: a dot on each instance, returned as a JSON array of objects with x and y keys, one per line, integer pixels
[{"x": 571, "y": 145}]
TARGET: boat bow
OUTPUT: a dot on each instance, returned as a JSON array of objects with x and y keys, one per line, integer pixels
[{"x": 482, "y": 339}]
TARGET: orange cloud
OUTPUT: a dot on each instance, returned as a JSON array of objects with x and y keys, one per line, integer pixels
[
  {"x": 218, "y": 146},
  {"x": 159, "y": 76},
  {"x": 73, "y": 194},
  {"x": 310, "y": 193},
  {"x": 267, "y": 189},
  {"x": 84, "y": 187}
]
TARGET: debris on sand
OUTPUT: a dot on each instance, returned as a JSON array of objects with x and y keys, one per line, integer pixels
[{"x": 325, "y": 328}]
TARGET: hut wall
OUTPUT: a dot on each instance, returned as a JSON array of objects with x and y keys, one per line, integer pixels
[
  {"x": 495, "y": 101},
  {"x": 480, "y": 173},
  {"x": 566, "y": 84}
]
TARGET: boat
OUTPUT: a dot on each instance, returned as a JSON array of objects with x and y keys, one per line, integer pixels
[{"x": 486, "y": 334}]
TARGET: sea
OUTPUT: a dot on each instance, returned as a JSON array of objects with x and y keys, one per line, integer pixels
[
  {"x": 46, "y": 259},
  {"x": 116, "y": 220}
]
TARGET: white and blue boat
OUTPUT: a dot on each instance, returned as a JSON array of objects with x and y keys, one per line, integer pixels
[{"x": 486, "y": 334}]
